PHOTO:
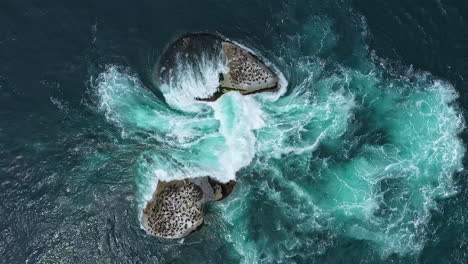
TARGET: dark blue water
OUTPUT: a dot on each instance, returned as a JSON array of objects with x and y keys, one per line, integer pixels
[{"x": 384, "y": 81}]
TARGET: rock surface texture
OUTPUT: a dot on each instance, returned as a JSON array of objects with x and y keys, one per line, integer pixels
[
  {"x": 247, "y": 73},
  {"x": 176, "y": 208}
]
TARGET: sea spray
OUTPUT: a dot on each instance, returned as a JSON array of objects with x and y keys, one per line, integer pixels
[{"x": 216, "y": 142}]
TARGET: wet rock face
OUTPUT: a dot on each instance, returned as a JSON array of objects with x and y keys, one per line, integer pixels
[
  {"x": 245, "y": 73},
  {"x": 221, "y": 190},
  {"x": 177, "y": 207},
  {"x": 187, "y": 50}
]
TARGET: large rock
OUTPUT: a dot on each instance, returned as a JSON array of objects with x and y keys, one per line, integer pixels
[
  {"x": 177, "y": 207},
  {"x": 246, "y": 73}
]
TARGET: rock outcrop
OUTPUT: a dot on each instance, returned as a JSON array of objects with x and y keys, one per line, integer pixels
[
  {"x": 246, "y": 72},
  {"x": 177, "y": 207}
]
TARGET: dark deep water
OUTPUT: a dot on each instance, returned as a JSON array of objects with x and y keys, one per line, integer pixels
[{"x": 375, "y": 78}]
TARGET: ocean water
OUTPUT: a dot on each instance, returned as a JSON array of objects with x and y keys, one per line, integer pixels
[{"x": 358, "y": 159}]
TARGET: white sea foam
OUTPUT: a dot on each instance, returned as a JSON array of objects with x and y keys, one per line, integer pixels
[
  {"x": 190, "y": 82},
  {"x": 229, "y": 148},
  {"x": 239, "y": 116},
  {"x": 199, "y": 139}
]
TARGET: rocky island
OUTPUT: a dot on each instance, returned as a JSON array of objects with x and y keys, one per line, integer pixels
[
  {"x": 246, "y": 72},
  {"x": 177, "y": 207}
]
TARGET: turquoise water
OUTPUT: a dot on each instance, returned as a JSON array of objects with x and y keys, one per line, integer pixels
[
  {"x": 346, "y": 152},
  {"x": 358, "y": 159}
]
